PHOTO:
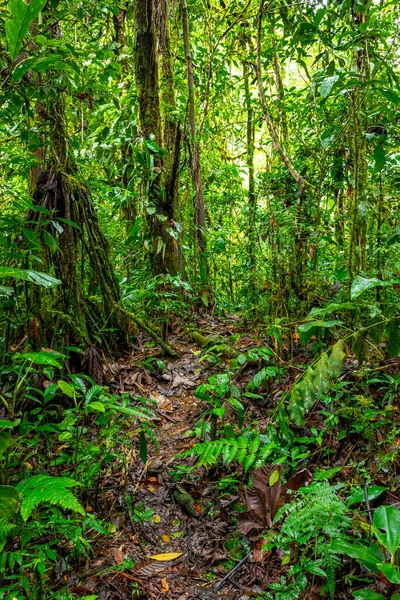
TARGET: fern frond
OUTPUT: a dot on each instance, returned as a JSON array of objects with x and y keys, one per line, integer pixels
[
  {"x": 50, "y": 490},
  {"x": 249, "y": 448}
]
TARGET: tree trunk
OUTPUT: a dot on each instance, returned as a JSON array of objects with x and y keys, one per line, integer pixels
[
  {"x": 199, "y": 219},
  {"x": 252, "y": 238},
  {"x": 71, "y": 240},
  {"x": 164, "y": 256},
  {"x": 171, "y": 131}
]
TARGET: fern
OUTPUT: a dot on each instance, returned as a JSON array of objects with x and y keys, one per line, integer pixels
[
  {"x": 312, "y": 521},
  {"x": 50, "y": 490},
  {"x": 251, "y": 449}
]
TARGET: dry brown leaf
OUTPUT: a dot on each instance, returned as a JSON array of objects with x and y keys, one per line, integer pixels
[{"x": 118, "y": 555}]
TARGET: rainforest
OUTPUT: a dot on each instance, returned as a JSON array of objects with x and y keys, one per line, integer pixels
[{"x": 199, "y": 299}]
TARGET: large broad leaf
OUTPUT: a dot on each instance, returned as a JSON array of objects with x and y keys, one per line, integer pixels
[
  {"x": 41, "y": 358},
  {"x": 23, "y": 15},
  {"x": 42, "y": 279},
  {"x": 317, "y": 380},
  {"x": 358, "y": 495},
  {"x": 391, "y": 572},
  {"x": 327, "y": 85},
  {"x": 392, "y": 331},
  {"x": 307, "y": 330},
  {"x": 386, "y": 524},
  {"x": 362, "y": 284},
  {"x": 368, "y": 556},
  {"x": 367, "y": 594},
  {"x": 9, "y": 503}
]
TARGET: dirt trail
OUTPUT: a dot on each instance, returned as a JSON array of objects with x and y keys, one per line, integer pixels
[{"x": 165, "y": 527}]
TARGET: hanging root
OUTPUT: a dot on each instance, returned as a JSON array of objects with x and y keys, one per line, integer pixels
[{"x": 167, "y": 349}]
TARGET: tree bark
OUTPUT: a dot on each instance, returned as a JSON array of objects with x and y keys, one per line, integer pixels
[
  {"x": 252, "y": 198},
  {"x": 164, "y": 255},
  {"x": 195, "y": 165}
]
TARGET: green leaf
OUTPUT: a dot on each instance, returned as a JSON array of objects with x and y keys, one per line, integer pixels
[
  {"x": 42, "y": 279},
  {"x": 240, "y": 409},
  {"x": 5, "y": 439},
  {"x": 6, "y": 291},
  {"x": 316, "y": 380},
  {"x": 50, "y": 242},
  {"x": 274, "y": 478},
  {"x": 367, "y": 594},
  {"x": 369, "y": 556},
  {"x": 9, "y": 503},
  {"x": 327, "y": 85},
  {"x": 359, "y": 496},
  {"x": 50, "y": 490},
  {"x": 390, "y": 572},
  {"x": 23, "y": 15},
  {"x": 392, "y": 331},
  {"x": 391, "y": 96},
  {"x": 142, "y": 446},
  {"x": 380, "y": 158},
  {"x": 386, "y": 524},
  {"x": 241, "y": 358},
  {"x": 66, "y": 388},
  {"x": 307, "y": 330},
  {"x": 362, "y": 284},
  {"x": 97, "y": 406},
  {"x": 40, "y": 358}
]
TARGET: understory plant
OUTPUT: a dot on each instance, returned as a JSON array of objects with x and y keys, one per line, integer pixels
[
  {"x": 306, "y": 529},
  {"x": 379, "y": 556}
]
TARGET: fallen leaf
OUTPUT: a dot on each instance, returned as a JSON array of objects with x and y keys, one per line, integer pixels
[
  {"x": 177, "y": 533},
  {"x": 164, "y": 586},
  {"x": 258, "y": 554},
  {"x": 166, "y": 538},
  {"x": 166, "y": 556},
  {"x": 118, "y": 555}
]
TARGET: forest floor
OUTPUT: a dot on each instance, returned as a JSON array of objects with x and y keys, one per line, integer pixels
[
  {"x": 193, "y": 551},
  {"x": 206, "y": 546}
]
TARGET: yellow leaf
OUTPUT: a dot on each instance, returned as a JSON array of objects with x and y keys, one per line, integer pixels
[
  {"x": 156, "y": 518},
  {"x": 166, "y": 556},
  {"x": 166, "y": 538},
  {"x": 274, "y": 477}
]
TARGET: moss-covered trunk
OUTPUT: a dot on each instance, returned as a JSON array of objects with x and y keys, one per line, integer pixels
[
  {"x": 64, "y": 225},
  {"x": 164, "y": 255}
]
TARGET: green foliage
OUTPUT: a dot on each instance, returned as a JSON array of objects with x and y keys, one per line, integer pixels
[
  {"x": 49, "y": 490},
  {"x": 42, "y": 279},
  {"x": 23, "y": 13},
  {"x": 386, "y": 528},
  {"x": 318, "y": 379},
  {"x": 250, "y": 449},
  {"x": 312, "y": 522}
]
